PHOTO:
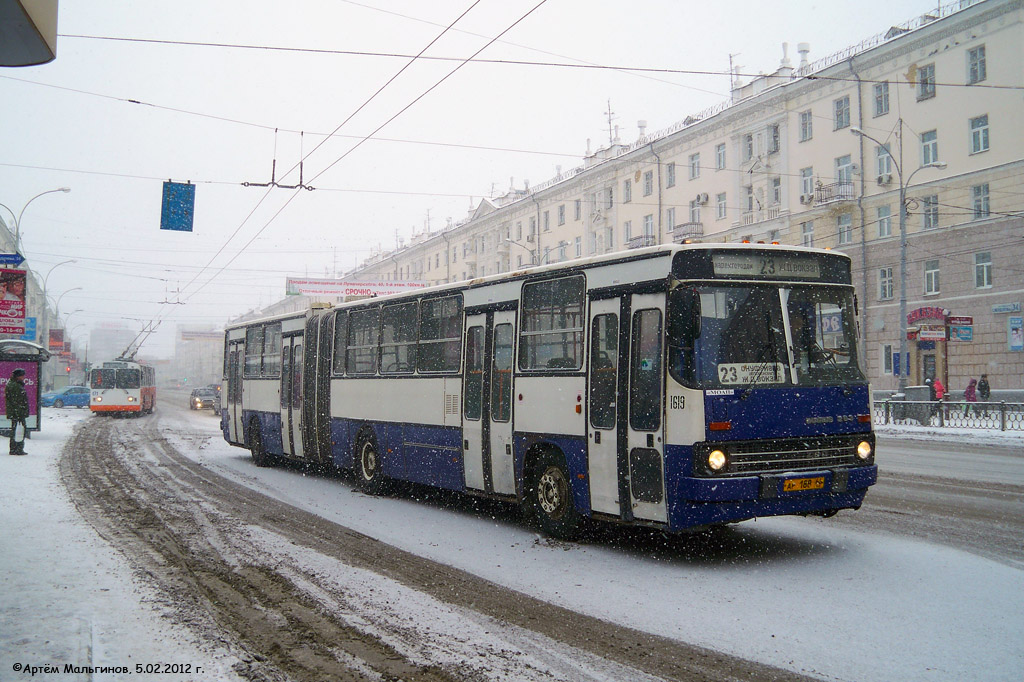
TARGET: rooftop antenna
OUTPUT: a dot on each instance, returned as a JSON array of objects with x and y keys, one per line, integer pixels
[{"x": 611, "y": 118}]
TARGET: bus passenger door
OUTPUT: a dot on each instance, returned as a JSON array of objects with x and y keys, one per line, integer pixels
[
  {"x": 233, "y": 393},
  {"x": 645, "y": 446},
  {"x": 473, "y": 403},
  {"x": 603, "y": 428},
  {"x": 499, "y": 402},
  {"x": 291, "y": 396}
]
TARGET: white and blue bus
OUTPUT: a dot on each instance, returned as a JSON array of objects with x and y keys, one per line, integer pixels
[{"x": 674, "y": 386}]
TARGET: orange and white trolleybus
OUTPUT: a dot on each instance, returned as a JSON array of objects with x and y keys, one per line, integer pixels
[{"x": 122, "y": 387}]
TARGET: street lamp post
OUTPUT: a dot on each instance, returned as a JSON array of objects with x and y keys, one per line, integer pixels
[
  {"x": 904, "y": 184},
  {"x": 45, "y": 327},
  {"x": 17, "y": 219},
  {"x": 533, "y": 256}
]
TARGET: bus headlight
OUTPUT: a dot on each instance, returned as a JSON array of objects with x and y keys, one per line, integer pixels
[
  {"x": 716, "y": 460},
  {"x": 131, "y": 399},
  {"x": 98, "y": 399},
  {"x": 863, "y": 450}
]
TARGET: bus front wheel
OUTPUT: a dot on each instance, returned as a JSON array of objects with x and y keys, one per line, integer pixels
[
  {"x": 368, "y": 465},
  {"x": 549, "y": 497}
]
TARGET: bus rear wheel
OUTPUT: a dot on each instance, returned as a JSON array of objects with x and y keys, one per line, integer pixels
[
  {"x": 549, "y": 498},
  {"x": 260, "y": 456},
  {"x": 368, "y": 465}
]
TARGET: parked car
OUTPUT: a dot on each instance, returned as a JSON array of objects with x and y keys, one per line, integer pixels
[
  {"x": 203, "y": 398},
  {"x": 69, "y": 396}
]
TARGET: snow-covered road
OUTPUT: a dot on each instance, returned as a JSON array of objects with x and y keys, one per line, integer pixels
[{"x": 802, "y": 594}]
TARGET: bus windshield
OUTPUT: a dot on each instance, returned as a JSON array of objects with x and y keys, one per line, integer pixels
[
  {"x": 115, "y": 378},
  {"x": 763, "y": 335}
]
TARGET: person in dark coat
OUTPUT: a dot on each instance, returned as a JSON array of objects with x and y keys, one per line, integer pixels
[
  {"x": 984, "y": 391},
  {"x": 16, "y": 408},
  {"x": 970, "y": 396}
]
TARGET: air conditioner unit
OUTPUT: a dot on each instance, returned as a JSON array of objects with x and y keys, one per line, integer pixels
[
  {"x": 806, "y": 198},
  {"x": 855, "y": 168},
  {"x": 885, "y": 178},
  {"x": 702, "y": 198},
  {"x": 529, "y": 238}
]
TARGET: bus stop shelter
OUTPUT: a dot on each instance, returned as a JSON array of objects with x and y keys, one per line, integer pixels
[{"x": 17, "y": 354}]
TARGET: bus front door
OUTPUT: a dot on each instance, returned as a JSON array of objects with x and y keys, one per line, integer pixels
[
  {"x": 233, "y": 393},
  {"x": 487, "y": 403},
  {"x": 291, "y": 396},
  {"x": 645, "y": 446},
  {"x": 607, "y": 470}
]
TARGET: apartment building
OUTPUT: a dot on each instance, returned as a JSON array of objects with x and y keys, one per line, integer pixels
[{"x": 817, "y": 153}]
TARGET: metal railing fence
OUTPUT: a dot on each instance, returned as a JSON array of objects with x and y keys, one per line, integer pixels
[{"x": 1002, "y": 416}]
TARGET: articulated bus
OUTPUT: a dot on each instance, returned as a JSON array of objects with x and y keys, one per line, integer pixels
[
  {"x": 122, "y": 387},
  {"x": 678, "y": 386}
]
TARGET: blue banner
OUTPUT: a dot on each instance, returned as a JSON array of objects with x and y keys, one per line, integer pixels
[
  {"x": 30, "y": 329},
  {"x": 178, "y": 206}
]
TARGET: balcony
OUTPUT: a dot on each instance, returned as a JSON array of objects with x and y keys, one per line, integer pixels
[
  {"x": 641, "y": 241},
  {"x": 834, "y": 192},
  {"x": 685, "y": 231}
]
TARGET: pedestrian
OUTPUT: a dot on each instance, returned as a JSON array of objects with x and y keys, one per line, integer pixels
[
  {"x": 984, "y": 391},
  {"x": 970, "y": 396},
  {"x": 940, "y": 393},
  {"x": 16, "y": 410}
]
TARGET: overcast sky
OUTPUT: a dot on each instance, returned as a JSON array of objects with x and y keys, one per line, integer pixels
[{"x": 113, "y": 119}]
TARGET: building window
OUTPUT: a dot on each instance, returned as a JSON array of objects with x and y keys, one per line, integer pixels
[
  {"x": 807, "y": 233},
  {"x": 842, "y": 112},
  {"x": 579, "y": 209},
  {"x": 930, "y": 211},
  {"x": 670, "y": 174},
  {"x": 694, "y": 212},
  {"x": 884, "y": 221},
  {"x": 883, "y": 159},
  {"x": 885, "y": 284},
  {"x": 519, "y": 231},
  {"x": 926, "y": 82},
  {"x": 720, "y": 156},
  {"x": 627, "y": 230},
  {"x": 627, "y": 191},
  {"x": 579, "y": 246},
  {"x": 750, "y": 197},
  {"x": 561, "y": 214},
  {"x": 648, "y": 183},
  {"x": 844, "y": 225},
  {"x": 774, "y": 140},
  {"x": 806, "y": 125},
  {"x": 533, "y": 228},
  {"x": 929, "y": 147},
  {"x": 748, "y": 147},
  {"x": 983, "y": 270},
  {"x": 844, "y": 169},
  {"x": 670, "y": 217},
  {"x": 694, "y": 166},
  {"x": 776, "y": 185},
  {"x": 881, "y": 99},
  {"x": 807, "y": 181},
  {"x": 547, "y": 221},
  {"x": 721, "y": 210},
  {"x": 979, "y": 134},
  {"x": 979, "y": 199},
  {"x": 886, "y": 358},
  {"x": 648, "y": 224},
  {"x": 610, "y": 239},
  {"x": 976, "y": 70},
  {"x": 931, "y": 276}
]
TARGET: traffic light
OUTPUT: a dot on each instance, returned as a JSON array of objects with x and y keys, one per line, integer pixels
[{"x": 68, "y": 369}]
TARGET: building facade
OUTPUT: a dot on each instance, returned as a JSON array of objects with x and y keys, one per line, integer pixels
[{"x": 818, "y": 154}]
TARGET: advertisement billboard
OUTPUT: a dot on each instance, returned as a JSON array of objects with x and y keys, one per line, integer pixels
[
  {"x": 12, "y": 301},
  {"x": 31, "y": 387},
  {"x": 335, "y": 287}
]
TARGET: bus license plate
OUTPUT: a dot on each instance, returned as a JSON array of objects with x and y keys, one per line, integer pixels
[{"x": 796, "y": 484}]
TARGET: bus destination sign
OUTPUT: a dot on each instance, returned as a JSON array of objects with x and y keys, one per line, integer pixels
[{"x": 758, "y": 265}]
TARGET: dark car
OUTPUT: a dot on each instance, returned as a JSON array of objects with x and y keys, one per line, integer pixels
[
  {"x": 203, "y": 398},
  {"x": 71, "y": 396}
]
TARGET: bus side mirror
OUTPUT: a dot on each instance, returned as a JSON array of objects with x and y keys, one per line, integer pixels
[{"x": 684, "y": 314}]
